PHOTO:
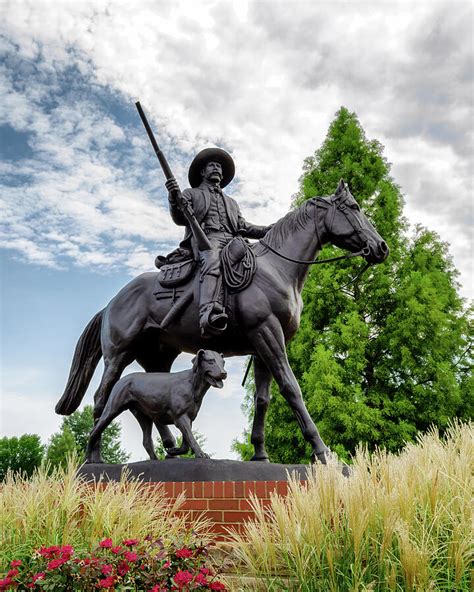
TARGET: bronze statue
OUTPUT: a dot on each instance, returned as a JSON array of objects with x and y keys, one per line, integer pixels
[
  {"x": 164, "y": 399},
  {"x": 220, "y": 218},
  {"x": 153, "y": 324}
]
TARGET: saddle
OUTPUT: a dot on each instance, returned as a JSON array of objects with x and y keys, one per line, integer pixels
[
  {"x": 176, "y": 268},
  {"x": 237, "y": 263}
]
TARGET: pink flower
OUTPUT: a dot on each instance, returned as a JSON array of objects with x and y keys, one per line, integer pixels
[
  {"x": 130, "y": 542},
  {"x": 205, "y": 571},
  {"x": 182, "y": 578},
  {"x": 38, "y": 576},
  {"x": 106, "y": 582},
  {"x": 106, "y": 543},
  {"x": 216, "y": 586},
  {"x": 184, "y": 553},
  {"x": 55, "y": 563},
  {"x": 49, "y": 552},
  {"x": 166, "y": 564},
  {"x": 15, "y": 563},
  {"x": 123, "y": 568},
  {"x": 130, "y": 556},
  {"x": 106, "y": 569},
  {"x": 12, "y": 573},
  {"x": 116, "y": 550},
  {"x": 201, "y": 579},
  {"x": 5, "y": 583},
  {"x": 67, "y": 549}
]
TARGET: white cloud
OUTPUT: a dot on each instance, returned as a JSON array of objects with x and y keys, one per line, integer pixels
[{"x": 263, "y": 79}]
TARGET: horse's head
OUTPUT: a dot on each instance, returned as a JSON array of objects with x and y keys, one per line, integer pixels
[{"x": 349, "y": 228}]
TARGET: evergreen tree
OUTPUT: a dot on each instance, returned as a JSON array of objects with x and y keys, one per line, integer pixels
[
  {"x": 23, "y": 454},
  {"x": 61, "y": 447},
  {"x": 74, "y": 434},
  {"x": 387, "y": 356}
]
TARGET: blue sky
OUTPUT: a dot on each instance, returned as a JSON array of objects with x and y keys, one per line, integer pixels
[{"x": 83, "y": 202}]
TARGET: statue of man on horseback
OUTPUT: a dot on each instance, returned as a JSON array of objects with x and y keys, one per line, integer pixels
[
  {"x": 139, "y": 324},
  {"x": 219, "y": 217}
]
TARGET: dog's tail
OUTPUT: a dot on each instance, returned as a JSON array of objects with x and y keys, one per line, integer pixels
[{"x": 86, "y": 357}]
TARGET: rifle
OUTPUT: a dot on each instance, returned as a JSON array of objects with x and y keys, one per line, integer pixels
[{"x": 202, "y": 241}]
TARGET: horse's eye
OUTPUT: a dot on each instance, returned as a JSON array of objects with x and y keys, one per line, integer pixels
[{"x": 356, "y": 207}]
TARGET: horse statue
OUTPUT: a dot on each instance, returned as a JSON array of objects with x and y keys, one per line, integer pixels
[{"x": 263, "y": 317}]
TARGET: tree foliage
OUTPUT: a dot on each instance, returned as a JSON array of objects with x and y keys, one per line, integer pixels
[
  {"x": 74, "y": 434},
  {"x": 388, "y": 356},
  {"x": 161, "y": 453},
  {"x": 21, "y": 454}
]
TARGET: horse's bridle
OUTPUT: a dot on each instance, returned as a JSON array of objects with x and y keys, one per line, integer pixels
[{"x": 340, "y": 205}]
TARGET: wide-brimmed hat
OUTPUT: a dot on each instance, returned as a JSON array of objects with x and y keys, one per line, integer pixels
[{"x": 214, "y": 155}]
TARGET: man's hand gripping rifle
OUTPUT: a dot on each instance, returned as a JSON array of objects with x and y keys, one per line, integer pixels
[{"x": 173, "y": 187}]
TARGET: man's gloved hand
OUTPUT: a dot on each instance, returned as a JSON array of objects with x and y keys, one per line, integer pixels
[
  {"x": 175, "y": 197},
  {"x": 174, "y": 192}
]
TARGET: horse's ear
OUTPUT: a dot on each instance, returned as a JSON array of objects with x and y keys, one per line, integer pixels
[{"x": 341, "y": 187}]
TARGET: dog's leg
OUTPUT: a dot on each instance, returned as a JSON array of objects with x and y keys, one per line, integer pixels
[
  {"x": 166, "y": 436},
  {"x": 146, "y": 424},
  {"x": 183, "y": 424},
  {"x": 177, "y": 451}
]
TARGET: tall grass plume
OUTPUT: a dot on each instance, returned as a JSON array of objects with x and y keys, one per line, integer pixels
[
  {"x": 399, "y": 522},
  {"x": 59, "y": 507}
]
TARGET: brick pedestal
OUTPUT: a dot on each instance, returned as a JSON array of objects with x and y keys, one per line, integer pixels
[{"x": 225, "y": 503}]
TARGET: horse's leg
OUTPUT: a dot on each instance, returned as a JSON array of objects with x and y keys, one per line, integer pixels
[
  {"x": 270, "y": 344},
  {"x": 113, "y": 369},
  {"x": 263, "y": 378},
  {"x": 160, "y": 362}
]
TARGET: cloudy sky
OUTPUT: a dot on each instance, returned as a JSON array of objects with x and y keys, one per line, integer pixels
[{"x": 83, "y": 202}]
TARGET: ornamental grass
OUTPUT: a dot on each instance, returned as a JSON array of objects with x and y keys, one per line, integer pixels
[
  {"x": 61, "y": 508},
  {"x": 399, "y": 522}
]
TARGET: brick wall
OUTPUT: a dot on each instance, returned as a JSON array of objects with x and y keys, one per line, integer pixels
[{"x": 225, "y": 503}]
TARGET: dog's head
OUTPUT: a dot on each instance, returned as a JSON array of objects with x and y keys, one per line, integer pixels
[{"x": 210, "y": 365}]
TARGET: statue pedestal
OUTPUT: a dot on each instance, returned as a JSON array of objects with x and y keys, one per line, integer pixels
[{"x": 217, "y": 489}]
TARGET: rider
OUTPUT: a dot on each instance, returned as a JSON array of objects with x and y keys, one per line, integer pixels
[{"x": 220, "y": 218}]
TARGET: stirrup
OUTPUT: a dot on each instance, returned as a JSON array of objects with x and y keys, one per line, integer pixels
[{"x": 213, "y": 323}]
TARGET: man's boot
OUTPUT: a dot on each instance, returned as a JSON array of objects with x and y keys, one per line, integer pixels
[{"x": 212, "y": 317}]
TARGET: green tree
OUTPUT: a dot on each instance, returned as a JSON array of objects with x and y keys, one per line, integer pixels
[
  {"x": 62, "y": 445},
  {"x": 160, "y": 450},
  {"x": 389, "y": 355},
  {"x": 21, "y": 454},
  {"x": 74, "y": 435}
]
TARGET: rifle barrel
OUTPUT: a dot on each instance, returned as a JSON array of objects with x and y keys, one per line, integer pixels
[{"x": 161, "y": 157}]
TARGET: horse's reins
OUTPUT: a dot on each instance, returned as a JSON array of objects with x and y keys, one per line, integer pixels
[{"x": 364, "y": 252}]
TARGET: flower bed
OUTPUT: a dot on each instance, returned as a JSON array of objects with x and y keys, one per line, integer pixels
[{"x": 130, "y": 565}]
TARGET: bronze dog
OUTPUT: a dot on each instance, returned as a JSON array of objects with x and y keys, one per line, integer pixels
[{"x": 164, "y": 399}]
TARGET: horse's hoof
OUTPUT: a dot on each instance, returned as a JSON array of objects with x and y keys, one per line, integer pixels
[
  {"x": 260, "y": 458},
  {"x": 93, "y": 461},
  {"x": 321, "y": 456}
]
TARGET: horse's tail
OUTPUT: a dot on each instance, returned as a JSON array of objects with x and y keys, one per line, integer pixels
[{"x": 86, "y": 357}]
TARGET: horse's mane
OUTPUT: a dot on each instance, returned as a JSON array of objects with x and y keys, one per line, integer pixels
[
  {"x": 291, "y": 222},
  {"x": 295, "y": 220}
]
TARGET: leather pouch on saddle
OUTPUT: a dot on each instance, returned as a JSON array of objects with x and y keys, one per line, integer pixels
[{"x": 176, "y": 268}]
